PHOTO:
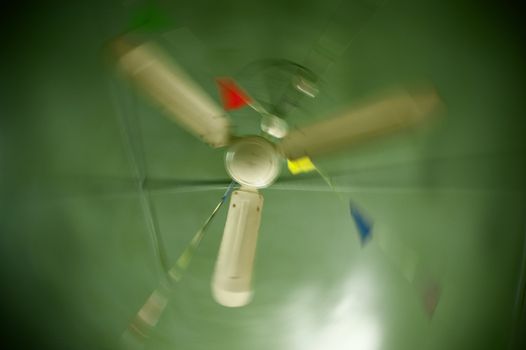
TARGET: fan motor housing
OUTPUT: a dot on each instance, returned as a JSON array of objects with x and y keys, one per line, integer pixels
[{"x": 253, "y": 161}]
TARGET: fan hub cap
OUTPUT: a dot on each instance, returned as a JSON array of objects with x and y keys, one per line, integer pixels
[{"x": 253, "y": 162}]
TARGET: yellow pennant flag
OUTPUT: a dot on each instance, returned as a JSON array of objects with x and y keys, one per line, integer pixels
[{"x": 300, "y": 165}]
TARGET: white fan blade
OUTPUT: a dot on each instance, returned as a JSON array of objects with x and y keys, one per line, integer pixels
[
  {"x": 231, "y": 283},
  {"x": 186, "y": 102},
  {"x": 399, "y": 111}
]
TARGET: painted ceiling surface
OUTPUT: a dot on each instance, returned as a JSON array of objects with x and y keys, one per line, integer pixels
[{"x": 77, "y": 256}]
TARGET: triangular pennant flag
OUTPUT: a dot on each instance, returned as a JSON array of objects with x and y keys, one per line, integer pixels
[
  {"x": 430, "y": 297},
  {"x": 363, "y": 225},
  {"x": 232, "y": 95},
  {"x": 300, "y": 165},
  {"x": 152, "y": 19}
]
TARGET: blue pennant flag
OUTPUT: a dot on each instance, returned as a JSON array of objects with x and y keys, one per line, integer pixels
[{"x": 363, "y": 225}]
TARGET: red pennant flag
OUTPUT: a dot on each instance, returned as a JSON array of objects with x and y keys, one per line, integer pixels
[
  {"x": 233, "y": 97},
  {"x": 430, "y": 297}
]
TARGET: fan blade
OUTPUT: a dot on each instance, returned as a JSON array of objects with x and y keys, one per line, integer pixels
[
  {"x": 231, "y": 283},
  {"x": 186, "y": 102},
  {"x": 399, "y": 111}
]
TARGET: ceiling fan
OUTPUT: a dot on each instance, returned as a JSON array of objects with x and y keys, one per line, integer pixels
[{"x": 255, "y": 161}]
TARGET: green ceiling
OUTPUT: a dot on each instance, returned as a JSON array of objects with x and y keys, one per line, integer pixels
[{"x": 77, "y": 256}]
